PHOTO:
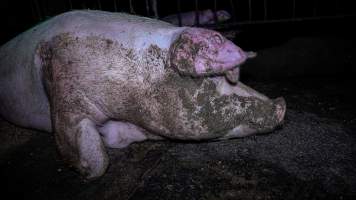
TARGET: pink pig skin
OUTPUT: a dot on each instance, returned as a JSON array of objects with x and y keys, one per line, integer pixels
[
  {"x": 100, "y": 79},
  {"x": 204, "y": 52}
]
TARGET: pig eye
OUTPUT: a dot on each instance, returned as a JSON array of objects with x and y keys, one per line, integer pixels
[{"x": 218, "y": 39}]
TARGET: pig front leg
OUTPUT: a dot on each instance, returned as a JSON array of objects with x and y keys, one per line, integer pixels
[
  {"x": 80, "y": 144},
  {"x": 74, "y": 114},
  {"x": 74, "y": 118}
]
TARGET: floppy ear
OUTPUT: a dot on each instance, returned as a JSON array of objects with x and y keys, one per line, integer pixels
[
  {"x": 200, "y": 52},
  {"x": 182, "y": 53}
]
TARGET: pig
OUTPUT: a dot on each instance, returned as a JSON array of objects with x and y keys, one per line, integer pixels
[
  {"x": 99, "y": 79},
  {"x": 205, "y": 17},
  {"x": 233, "y": 75}
]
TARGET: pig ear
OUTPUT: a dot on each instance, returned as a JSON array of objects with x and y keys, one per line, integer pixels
[{"x": 182, "y": 55}]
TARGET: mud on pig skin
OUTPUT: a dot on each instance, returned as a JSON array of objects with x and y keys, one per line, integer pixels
[{"x": 96, "y": 78}]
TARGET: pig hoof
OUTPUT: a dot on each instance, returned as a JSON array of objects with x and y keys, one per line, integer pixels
[{"x": 280, "y": 109}]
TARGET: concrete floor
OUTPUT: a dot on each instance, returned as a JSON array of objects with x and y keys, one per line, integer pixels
[{"x": 311, "y": 157}]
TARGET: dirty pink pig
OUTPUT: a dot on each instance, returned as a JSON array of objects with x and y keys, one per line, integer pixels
[{"x": 99, "y": 79}]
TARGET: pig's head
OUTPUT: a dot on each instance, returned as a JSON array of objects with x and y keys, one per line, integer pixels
[{"x": 199, "y": 52}]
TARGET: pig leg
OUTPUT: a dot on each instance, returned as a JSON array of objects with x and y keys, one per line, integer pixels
[
  {"x": 80, "y": 144},
  {"x": 118, "y": 134},
  {"x": 74, "y": 119},
  {"x": 74, "y": 116}
]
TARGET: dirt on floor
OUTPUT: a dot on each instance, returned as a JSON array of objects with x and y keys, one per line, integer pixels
[{"x": 311, "y": 157}]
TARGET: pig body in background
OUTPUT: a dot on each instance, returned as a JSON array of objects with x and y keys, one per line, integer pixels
[
  {"x": 96, "y": 78},
  {"x": 205, "y": 17}
]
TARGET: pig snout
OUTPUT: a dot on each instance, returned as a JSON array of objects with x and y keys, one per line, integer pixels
[
  {"x": 261, "y": 122},
  {"x": 281, "y": 108},
  {"x": 230, "y": 55},
  {"x": 269, "y": 121}
]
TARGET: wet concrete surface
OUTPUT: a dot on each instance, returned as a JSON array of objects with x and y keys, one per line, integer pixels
[{"x": 311, "y": 157}]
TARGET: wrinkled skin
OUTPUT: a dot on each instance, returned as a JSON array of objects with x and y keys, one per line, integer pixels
[
  {"x": 93, "y": 84},
  {"x": 201, "y": 52}
]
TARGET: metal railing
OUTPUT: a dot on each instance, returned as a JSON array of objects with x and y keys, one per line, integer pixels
[{"x": 242, "y": 11}]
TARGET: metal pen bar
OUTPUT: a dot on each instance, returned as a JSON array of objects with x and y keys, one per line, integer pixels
[
  {"x": 84, "y": 5},
  {"x": 147, "y": 8},
  {"x": 132, "y": 11},
  {"x": 214, "y": 11},
  {"x": 232, "y": 6},
  {"x": 265, "y": 9},
  {"x": 336, "y": 6},
  {"x": 33, "y": 12},
  {"x": 118, "y": 6},
  {"x": 155, "y": 8},
  {"x": 196, "y": 13},
  {"x": 315, "y": 7},
  {"x": 70, "y": 4},
  {"x": 38, "y": 9},
  {"x": 301, "y": 19},
  {"x": 179, "y": 13},
  {"x": 115, "y": 5},
  {"x": 44, "y": 8},
  {"x": 249, "y": 10},
  {"x": 293, "y": 12},
  {"x": 98, "y": 2}
]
